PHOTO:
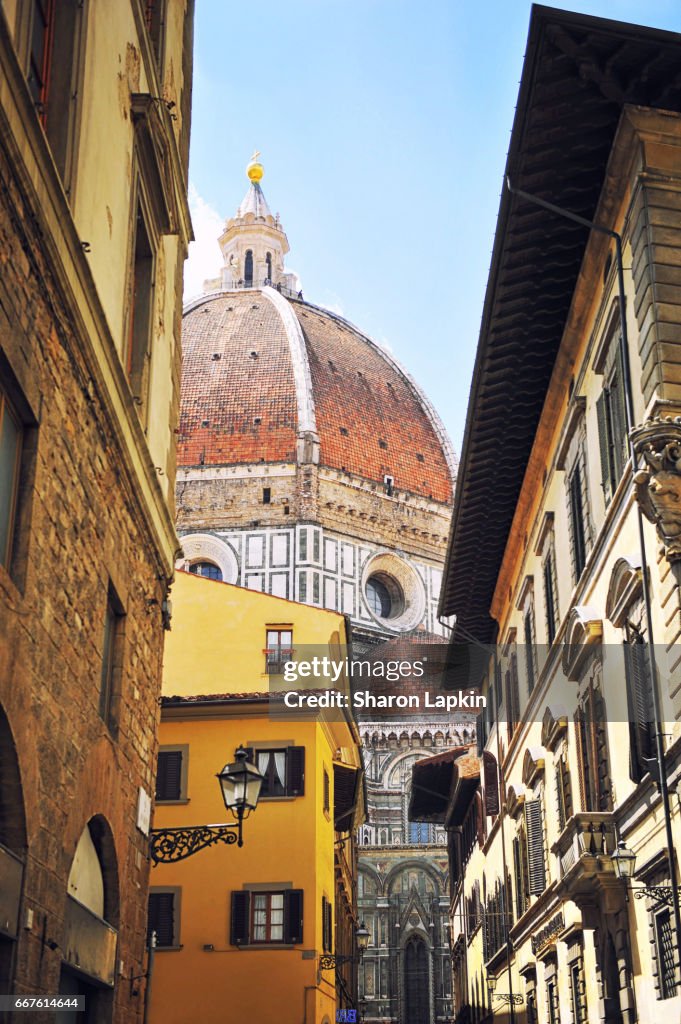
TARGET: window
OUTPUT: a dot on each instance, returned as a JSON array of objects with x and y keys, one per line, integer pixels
[
  {"x": 112, "y": 653},
  {"x": 248, "y": 269},
  {"x": 52, "y": 74},
  {"x": 327, "y": 793},
  {"x": 418, "y": 833},
  {"x": 207, "y": 569},
  {"x": 563, "y": 792},
  {"x": 578, "y": 992},
  {"x": 378, "y": 598},
  {"x": 612, "y": 424},
  {"x": 261, "y": 917},
  {"x": 577, "y": 525},
  {"x": 639, "y": 703},
  {"x": 266, "y": 495},
  {"x": 279, "y": 650},
  {"x": 10, "y": 456},
  {"x": 666, "y": 954},
  {"x": 283, "y": 770},
  {"x": 520, "y": 869},
  {"x": 552, "y": 1001},
  {"x": 550, "y": 594},
  {"x": 512, "y": 696},
  {"x": 530, "y": 646},
  {"x": 536, "y": 862},
  {"x": 171, "y": 776},
  {"x": 163, "y": 917},
  {"x": 268, "y": 264},
  {"x": 138, "y": 349},
  {"x": 327, "y": 925},
  {"x": 592, "y": 753}
]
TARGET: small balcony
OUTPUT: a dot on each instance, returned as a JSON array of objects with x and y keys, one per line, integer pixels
[{"x": 586, "y": 871}]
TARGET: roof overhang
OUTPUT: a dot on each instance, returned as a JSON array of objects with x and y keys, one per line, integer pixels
[
  {"x": 579, "y": 74},
  {"x": 433, "y": 779}
]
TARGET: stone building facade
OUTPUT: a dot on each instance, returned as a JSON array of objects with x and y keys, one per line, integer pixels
[
  {"x": 565, "y": 875},
  {"x": 93, "y": 212}
]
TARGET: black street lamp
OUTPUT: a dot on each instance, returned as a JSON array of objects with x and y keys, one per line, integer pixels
[
  {"x": 329, "y": 961},
  {"x": 240, "y": 784},
  {"x": 624, "y": 860}
]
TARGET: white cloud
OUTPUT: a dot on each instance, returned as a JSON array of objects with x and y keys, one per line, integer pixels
[{"x": 204, "y": 260}]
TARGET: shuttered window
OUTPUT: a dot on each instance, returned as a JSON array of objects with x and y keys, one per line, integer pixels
[
  {"x": 550, "y": 596},
  {"x": 10, "y": 456},
  {"x": 666, "y": 961},
  {"x": 528, "y": 626},
  {"x": 593, "y": 762},
  {"x": 169, "y": 775},
  {"x": 283, "y": 770},
  {"x": 163, "y": 918},
  {"x": 520, "y": 869},
  {"x": 261, "y": 918},
  {"x": 639, "y": 705},
  {"x": 512, "y": 696},
  {"x": 563, "y": 792},
  {"x": 612, "y": 428},
  {"x": 534, "y": 826},
  {"x": 577, "y": 524},
  {"x": 327, "y": 925}
]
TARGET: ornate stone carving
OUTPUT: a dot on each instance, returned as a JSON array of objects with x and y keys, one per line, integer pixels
[{"x": 658, "y": 484}]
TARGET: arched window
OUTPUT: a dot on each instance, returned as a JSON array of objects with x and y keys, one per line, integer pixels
[
  {"x": 248, "y": 268},
  {"x": 208, "y": 569},
  {"x": 268, "y": 262}
]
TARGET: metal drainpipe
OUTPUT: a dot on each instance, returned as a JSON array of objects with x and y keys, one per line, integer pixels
[{"x": 652, "y": 668}]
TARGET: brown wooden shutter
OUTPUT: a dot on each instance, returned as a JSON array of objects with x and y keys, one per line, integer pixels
[
  {"x": 293, "y": 913},
  {"x": 581, "y": 755},
  {"x": 560, "y": 797},
  {"x": 491, "y": 778},
  {"x": 240, "y": 914},
  {"x": 518, "y": 878},
  {"x": 295, "y": 771},
  {"x": 169, "y": 775},
  {"x": 535, "y": 846},
  {"x": 161, "y": 918}
]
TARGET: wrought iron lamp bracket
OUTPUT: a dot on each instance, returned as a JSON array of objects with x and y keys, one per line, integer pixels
[
  {"x": 169, "y": 845},
  {"x": 661, "y": 893}
]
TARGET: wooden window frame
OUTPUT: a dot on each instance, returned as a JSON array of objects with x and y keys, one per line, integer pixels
[
  {"x": 277, "y": 654},
  {"x": 139, "y": 325},
  {"x": 294, "y": 767}
]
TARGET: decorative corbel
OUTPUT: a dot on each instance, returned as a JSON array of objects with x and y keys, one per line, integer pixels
[{"x": 658, "y": 482}]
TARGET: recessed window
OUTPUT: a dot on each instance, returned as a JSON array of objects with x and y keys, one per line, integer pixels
[
  {"x": 384, "y": 596},
  {"x": 266, "y": 917},
  {"x": 207, "y": 569},
  {"x": 278, "y": 651},
  {"x": 283, "y": 770},
  {"x": 163, "y": 918},
  {"x": 10, "y": 455},
  {"x": 266, "y": 495},
  {"x": 112, "y": 656},
  {"x": 248, "y": 269},
  {"x": 138, "y": 349}
]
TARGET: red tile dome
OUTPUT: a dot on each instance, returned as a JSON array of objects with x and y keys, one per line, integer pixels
[{"x": 261, "y": 370}]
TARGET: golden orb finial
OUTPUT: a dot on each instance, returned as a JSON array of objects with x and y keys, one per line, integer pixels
[{"x": 255, "y": 169}]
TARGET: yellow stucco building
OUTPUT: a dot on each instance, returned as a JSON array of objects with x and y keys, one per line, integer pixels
[{"x": 240, "y": 931}]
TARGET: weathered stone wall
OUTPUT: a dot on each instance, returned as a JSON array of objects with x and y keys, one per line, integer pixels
[{"x": 79, "y": 526}]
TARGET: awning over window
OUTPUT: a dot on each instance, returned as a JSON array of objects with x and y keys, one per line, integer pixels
[{"x": 431, "y": 787}]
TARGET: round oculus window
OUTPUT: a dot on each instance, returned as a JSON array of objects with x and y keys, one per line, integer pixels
[{"x": 384, "y": 596}]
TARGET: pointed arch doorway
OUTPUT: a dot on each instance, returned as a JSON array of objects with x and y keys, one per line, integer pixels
[{"x": 416, "y": 982}]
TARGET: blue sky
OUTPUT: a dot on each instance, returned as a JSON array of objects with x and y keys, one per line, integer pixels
[{"x": 383, "y": 127}]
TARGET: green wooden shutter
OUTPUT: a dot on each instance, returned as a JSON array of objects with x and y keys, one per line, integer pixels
[
  {"x": 535, "y": 846},
  {"x": 295, "y": 771},
  {"x": 618, "y": 414},
  {"x": 293, "y": 915},
  {"x": 240, "y": 914},
  {"x": 639, "y": 707}
]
